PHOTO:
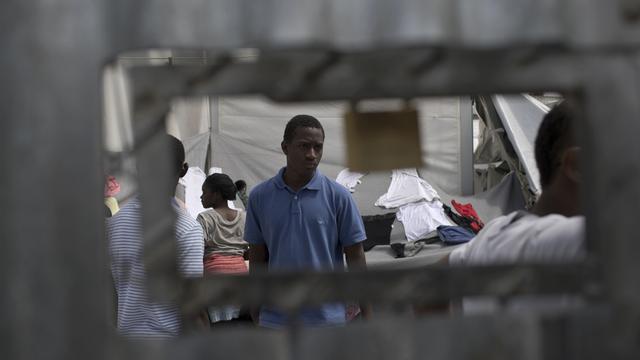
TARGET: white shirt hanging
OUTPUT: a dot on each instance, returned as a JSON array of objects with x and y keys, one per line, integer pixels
[
  {"x": 192, "y": 183},
  {"x": 349, "y": 179},
  {"x": 406, "y": 187}
]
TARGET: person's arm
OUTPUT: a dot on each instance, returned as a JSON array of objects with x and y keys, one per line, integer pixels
[
  {"x": 190, "y": 264},
  {"x": 356, "y": 260},
  {"x": 258, "y": 260},
  {"x": 258, "y": 257}
]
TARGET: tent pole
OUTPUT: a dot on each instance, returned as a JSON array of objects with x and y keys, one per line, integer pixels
[{"x": 466, "y": 146}]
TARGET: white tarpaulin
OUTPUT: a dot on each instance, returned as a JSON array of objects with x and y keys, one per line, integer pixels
[{"x": 245, "y": 135}]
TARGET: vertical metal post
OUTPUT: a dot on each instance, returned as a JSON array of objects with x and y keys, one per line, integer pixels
[
  {"x": 214, "y": 128},
  {"x": 53, "y": 269},
  {"x": 466, "y": 146},
  {"x": 611, "y": 190}
]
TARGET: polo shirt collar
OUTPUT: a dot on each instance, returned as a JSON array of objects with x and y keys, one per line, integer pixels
[{"x": 313, "y": 184}]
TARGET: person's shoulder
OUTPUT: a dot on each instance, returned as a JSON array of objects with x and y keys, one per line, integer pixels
[
  {"x": 558, "y": 238},
  {"x": 334, "y": 186},
  {"x": 265, "y": 186},
  {"x": 208, "y": 213},
  {"x": 129, "y": 207},
  {"x": 129, "y": 212},
  {"x": 492, "y": 232},
  {"x": 561, "y": 228},
  {"x": 186, "y": 225},
  {"x": 500, "y": 222}
]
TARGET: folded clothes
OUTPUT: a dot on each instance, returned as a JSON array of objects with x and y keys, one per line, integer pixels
[
  {"x": 452, "y": 235},
  {"x": 467, "y": 211},
  {"x": 421, "y": 218}
]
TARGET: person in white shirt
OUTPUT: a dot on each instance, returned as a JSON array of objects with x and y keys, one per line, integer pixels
[{"x": 553, "y": 231}]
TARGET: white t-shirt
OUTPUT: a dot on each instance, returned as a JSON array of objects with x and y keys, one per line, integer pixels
[
  {"x": 524, "y": 237},
  {"x": 406, "y": 187},
  {"x": 349, "y": 179},
  {"x": 520, "y": 237},
  {"x": 420, "y": 219}
]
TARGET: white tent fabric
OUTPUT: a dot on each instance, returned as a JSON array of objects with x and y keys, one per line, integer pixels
[
  {"x": 245, "y": 135},
  {"x": 242, "y": 135},
  {"x": 522, "y": 115}
]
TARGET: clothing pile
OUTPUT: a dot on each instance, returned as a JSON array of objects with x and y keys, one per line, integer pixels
[
  {"x": 419, "y": 208},
  {"x": 417, "y": 205}
]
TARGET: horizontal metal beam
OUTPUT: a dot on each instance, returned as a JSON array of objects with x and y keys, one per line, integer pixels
[
  {"x": 226, "y": 343},
  {"x": 307, "y": 74},
  {"x": 430, "y": 284},
  {"x": 575, "y": 336},
  {"x": 358, "y": 24}
]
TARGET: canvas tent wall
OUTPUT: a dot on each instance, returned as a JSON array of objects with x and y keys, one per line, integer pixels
[
  {"x": 242, "y": 135},
  {"x": 245, "y": 135}
]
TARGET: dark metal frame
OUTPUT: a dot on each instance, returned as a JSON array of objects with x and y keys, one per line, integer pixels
[{"x": 55, "y": 295}]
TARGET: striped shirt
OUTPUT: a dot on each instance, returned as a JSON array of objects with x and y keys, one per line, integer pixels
[{"x": 138, "y": 316}]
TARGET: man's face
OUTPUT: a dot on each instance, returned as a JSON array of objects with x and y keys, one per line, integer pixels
[{"x": 305, "y": 150}]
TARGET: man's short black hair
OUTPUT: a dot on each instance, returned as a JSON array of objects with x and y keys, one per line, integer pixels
[
  {"x": 177, "y": 153},
  {"x": 555, "y": 135},
  {"x": 299, "y": 121},
  {"x": 221, "y": 183}
]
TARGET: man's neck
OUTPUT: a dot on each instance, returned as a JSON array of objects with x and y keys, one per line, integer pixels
[
  {"x": 557, "y": 201},
  {"x": 296, "y": 181}
]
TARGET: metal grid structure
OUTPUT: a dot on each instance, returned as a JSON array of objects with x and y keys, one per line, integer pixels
[{"x": 52, "y": 253}]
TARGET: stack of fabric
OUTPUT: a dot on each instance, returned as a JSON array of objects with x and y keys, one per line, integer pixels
[{"x": 419, "y": 206}]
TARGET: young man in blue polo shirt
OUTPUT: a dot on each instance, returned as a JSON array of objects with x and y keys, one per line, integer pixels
[{"x": 302, "y": 220}]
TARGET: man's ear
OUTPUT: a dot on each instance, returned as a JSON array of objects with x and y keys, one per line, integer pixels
[
  {"x": 283, "y": 145},
  {"x": 571, "y": 164},
  {"x": 185, "y": 168}
]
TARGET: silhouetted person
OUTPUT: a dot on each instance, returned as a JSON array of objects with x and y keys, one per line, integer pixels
[{"x": 241, "y": 186}]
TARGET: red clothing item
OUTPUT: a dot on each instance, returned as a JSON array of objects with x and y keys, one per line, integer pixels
[
  {"x": 225, "y": 264},
  {"x": 111, "y": 186},
  {"x": 468, "y": 211}
]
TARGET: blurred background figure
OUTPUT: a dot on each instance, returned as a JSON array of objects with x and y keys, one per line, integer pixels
[{"x": 241, "y": 185}]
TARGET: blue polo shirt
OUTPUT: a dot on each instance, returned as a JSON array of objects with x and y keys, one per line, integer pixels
[{"x": 304, "y": 230}]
